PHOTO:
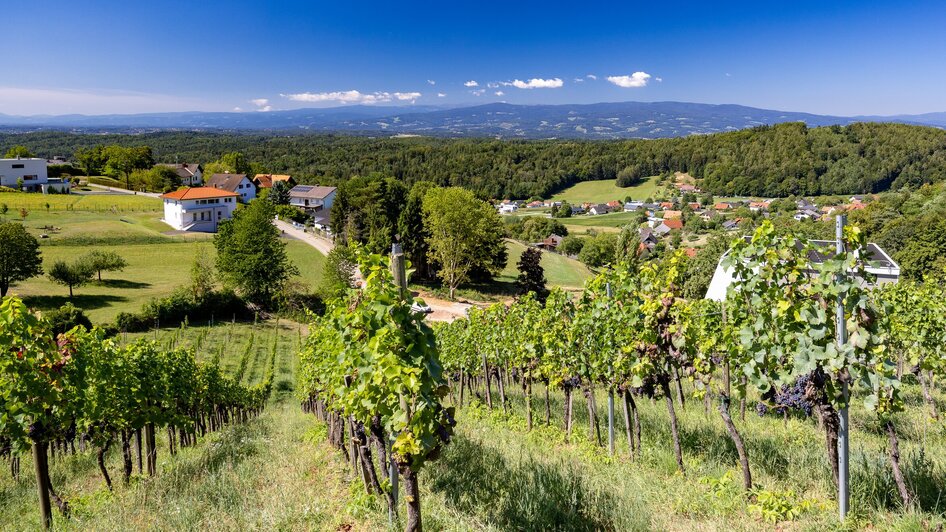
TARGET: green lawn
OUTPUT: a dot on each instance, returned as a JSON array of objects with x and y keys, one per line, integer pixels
[
  {"x": 157, "y": 263},
  {"x": 559, "y": 269},
  {"x": 606, "y": 190}
]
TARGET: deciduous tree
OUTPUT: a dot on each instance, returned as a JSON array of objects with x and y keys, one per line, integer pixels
[
  {"x": 19, "y": 256},
  {"x": 250, "y": 256}
]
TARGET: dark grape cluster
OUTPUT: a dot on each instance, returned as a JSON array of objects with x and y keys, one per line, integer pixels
[{"x": 789, "y": 397}]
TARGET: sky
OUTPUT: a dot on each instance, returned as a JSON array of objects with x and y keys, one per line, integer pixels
[{"x": 838, "y": 57}]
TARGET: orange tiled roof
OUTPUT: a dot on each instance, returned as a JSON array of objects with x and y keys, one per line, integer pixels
[{"x": 198, "y": 193}]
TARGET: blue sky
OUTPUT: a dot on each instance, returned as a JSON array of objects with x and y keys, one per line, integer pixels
[{"x": 838, "y": 57}]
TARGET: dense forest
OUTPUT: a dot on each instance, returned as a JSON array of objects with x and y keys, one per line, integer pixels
[{"x": 781, "y": 160}]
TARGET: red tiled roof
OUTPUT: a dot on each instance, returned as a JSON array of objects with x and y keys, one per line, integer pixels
[
  {"x": 675, "y": 223},
  {"x": 198, "y": 193}
]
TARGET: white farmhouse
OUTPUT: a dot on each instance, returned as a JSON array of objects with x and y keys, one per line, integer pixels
[
  {"x": 31, "y": 171},
  {"x": 191, "y": 174},
  {"x": 198, "y": 209},
  {"x": 240, "y": 184},
  {"x": 312, "y": 198}
]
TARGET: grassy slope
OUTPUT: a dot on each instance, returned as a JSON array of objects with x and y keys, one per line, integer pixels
[
  {"x": 495, "y": 475},
  {"x": 157, "y": 263},
  {"x": 559, "y": 270},
  {"x": 605, "y": 190}
]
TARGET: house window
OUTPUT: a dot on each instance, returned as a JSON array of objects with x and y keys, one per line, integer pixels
[
  {"x": 19, "y": 166},
  {"x": 29, "y": 177},
  {"x": 195, "y": 219}
]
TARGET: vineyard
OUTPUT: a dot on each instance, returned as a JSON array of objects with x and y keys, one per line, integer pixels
[
  {"x": 627, "y": 407},
  {"x": 797, "y": 341}
]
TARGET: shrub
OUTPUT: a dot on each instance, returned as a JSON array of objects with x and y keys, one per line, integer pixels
[{"x": 66, "y": 317}]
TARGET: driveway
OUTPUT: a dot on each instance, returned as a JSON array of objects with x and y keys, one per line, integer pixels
[{"x": 443, "y": 310}]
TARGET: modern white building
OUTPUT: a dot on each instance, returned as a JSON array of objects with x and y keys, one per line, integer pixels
[
  {"x": 32, "y": 172},
  {"x": 312, "y": 198},
  {"x": 240, "y": 184},
  {"x": 199, "y": 209}
]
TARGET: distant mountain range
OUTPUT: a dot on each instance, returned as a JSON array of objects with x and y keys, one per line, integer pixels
[{"x": 574, "y": 121}]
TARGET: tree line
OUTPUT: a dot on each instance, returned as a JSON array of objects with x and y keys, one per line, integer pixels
[{"x": 778, "y": 160}]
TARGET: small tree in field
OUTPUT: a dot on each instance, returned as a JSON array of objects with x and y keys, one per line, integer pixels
[
  {"x": 107, "y": 261},
  {"x": 71, "y": 274},
  {"x": 19, "y": 256},
  {"x": 531, "y": 274}
]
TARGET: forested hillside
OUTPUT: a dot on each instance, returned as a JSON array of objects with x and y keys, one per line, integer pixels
[{"x": 776, "y": 160}]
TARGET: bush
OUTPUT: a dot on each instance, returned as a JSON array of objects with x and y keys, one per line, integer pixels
[
  {"x": 66, "y": 317},
  {"x": 288, "y": 212},
  {"x": 181, "y": 305}
]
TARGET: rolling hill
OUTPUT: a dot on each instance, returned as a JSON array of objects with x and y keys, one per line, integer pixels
[{"x": 618, "y": 120}]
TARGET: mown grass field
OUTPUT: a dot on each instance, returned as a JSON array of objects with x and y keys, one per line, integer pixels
[
  {"x": 157, "y": 263},
  {"x": 606, "y": 190},
  {"x": 559, "y": 269}
]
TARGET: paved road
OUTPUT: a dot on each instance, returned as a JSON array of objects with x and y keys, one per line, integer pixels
[
  {"x": 320, "y": 243},
  {"x": 123, "y": 191},
  {"x": 442, "y": 310}
]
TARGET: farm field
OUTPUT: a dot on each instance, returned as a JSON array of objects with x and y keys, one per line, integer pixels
[
  {"x": 96, "y": 202},
  {"x": 605, "y": 223},
  {"x": 605, "y": 190},
  {"x": 158, "y": 263}
]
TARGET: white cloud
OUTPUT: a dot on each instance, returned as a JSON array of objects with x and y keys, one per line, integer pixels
[
  {"x": 591, "y": 76},
  {"x": 479, "y": 92},
  {"x": 635, "y": 80},
  {"x": 237, "y": 109},
  {"x": 500, "y": 93},
  {"x": 352, "y": 96},
  {"x": 659, "y": 79},
  {"x": 431, "y": 82},
  {"x": 492, "y": 85},
  {"x": 260, "y": 102},
  {"x": 536, "y": 83},
  {"x": 471, "y": 83},
  {"x": 441, "y": 95},
  {"x": 579, "y": 80}
]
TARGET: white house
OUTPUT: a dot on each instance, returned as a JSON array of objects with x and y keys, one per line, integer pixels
[
  {"x": 191, "y": 174},
  {"x": 508, "y": 208},
  {"x": 240, "y": 184},
  {"x": 878, "y": 263},
  {"x": 312, "y": 198},
  {"x": 31, "y": 171},
  {"x": 198, "y": 209}
]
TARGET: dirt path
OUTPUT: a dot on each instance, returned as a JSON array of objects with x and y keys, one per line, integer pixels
[{"x": 443, "y": 310}]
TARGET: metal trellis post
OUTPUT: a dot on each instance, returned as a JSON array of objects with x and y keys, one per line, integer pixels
[
  {"x": 610, "y": 396},
  {"x": 843, "y": 434}
]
